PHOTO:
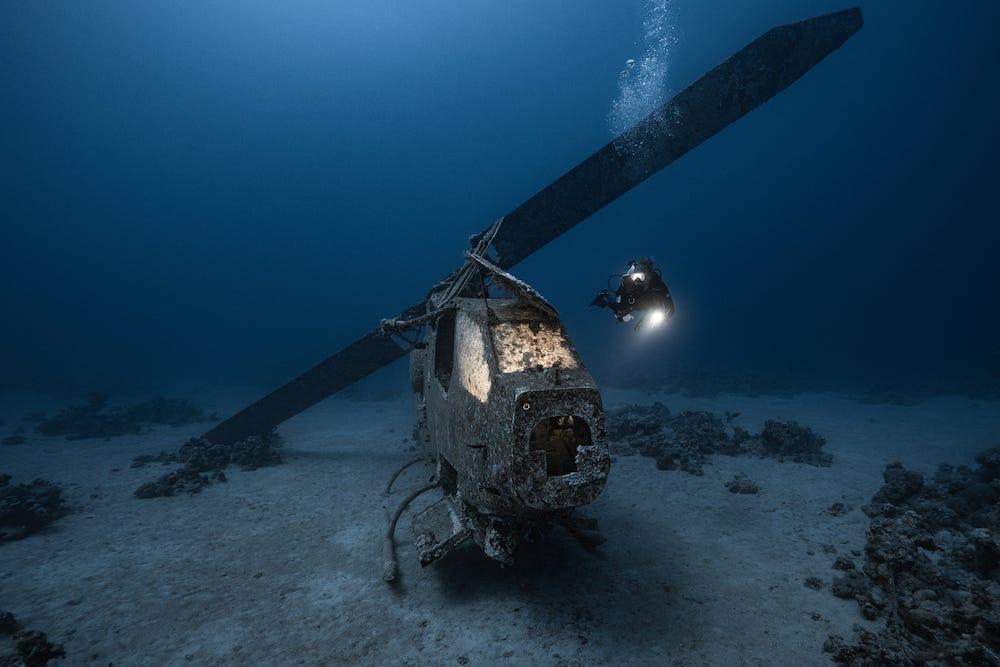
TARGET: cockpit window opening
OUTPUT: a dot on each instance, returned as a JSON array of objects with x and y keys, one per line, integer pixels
[
  {"x": 559, "y": 437},
  {"x": 444, "y": 348}
]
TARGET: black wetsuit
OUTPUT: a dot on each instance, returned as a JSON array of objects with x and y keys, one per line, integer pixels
[{"x": 637, "y": 295}]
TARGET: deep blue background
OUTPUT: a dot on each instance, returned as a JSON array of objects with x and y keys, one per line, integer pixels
[{"x": 229, "y": 191}]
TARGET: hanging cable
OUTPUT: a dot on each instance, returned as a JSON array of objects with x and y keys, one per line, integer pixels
[
  {"x": 395, "y": 475},
  {"x": 389, "y": 567}
]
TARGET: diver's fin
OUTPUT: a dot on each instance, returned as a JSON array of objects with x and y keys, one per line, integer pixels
[{"x": 601, "y": 300}]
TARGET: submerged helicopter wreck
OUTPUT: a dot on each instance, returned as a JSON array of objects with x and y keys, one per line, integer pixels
[{"x": 506, "y": 410}]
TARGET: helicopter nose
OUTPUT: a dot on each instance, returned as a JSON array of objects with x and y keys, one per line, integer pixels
[{"x": 564, "y": 445}]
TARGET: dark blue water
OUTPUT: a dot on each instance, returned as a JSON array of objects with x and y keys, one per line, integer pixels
[{"x": 228, "y": 192}]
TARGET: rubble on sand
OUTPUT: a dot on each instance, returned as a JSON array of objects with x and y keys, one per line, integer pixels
[
  {"x": 8, "y": 624},
  {"x": 789, "y": 440},
  {"x": 30, "y": 648},
  {"x": 95, "y": 420},
  {"x": 850, "y": 584},
  {"x": 931, "y": 570},
  {"x": 839, "y": 509},
  {"x": 26, "y": 508},
  {"x": 204, "y": 462},
  {"x": 683, "y": 441},
  {"x": 742, "y": 484}
]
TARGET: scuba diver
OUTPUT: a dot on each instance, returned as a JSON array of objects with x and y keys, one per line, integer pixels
[{"x": 641, "y": 295}]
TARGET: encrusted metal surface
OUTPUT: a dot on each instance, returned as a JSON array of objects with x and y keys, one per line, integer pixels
[
  {"x": 513, "y": 284},
  {"x": 439, "y": 529},
  {"x": 525, "y": 345},
  {"x": 480, "y": 425},
  {"x": 472, "y": 368}
]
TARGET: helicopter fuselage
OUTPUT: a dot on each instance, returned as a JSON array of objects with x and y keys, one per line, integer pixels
[{"x": 511, "y": 417}]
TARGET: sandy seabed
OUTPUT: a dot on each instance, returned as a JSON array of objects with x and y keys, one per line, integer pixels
[{"x": 280, "y": 566}]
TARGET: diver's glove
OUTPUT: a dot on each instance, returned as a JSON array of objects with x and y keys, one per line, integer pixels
[{"x": 602, "y": 300}]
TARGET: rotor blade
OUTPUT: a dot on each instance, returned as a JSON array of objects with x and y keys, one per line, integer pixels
[
  {"x": 746, "y": 80},
  {"x": 362, "y": 357}
]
